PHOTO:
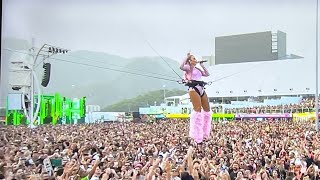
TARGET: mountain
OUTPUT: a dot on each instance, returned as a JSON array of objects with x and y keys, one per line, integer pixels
[
  {"x": 78, "y": 73},
  {"x": 112, "y": 86},
  {"x": 97, "y": 75},
  {"x": 144, "y": 100}
]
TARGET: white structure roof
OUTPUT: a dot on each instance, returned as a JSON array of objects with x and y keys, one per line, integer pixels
[
  {"x": 182, "y": 97},
  {"x": 264, "y": 78}
]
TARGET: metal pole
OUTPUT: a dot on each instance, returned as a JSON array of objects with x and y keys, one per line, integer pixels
[
  {"x": 164, "y": 93},
  {"x": 32, "y": 98},
  {"x": 317, "y": 91},
  {"x": 32, "y": 85},
  {"x": 32, "y": 91}
]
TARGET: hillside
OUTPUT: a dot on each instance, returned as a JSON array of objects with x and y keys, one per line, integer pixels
[
  {"x": 144, "y": 100},
  {"x": 103, "y": 84}
]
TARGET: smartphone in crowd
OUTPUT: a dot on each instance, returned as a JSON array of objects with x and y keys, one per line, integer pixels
[{"x": 57, "y": 162}]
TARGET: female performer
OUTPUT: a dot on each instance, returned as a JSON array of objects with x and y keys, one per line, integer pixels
[{"x": 200, "y": 121}]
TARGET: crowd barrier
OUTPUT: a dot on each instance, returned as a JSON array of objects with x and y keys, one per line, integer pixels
[
  {"x": 179, "y": 116},
  {"x": 296, "y": 117},
  {"x": 274, "y": 115},
  {"x": 245, "y": 115},
  {"x": 214, "y": 116}
]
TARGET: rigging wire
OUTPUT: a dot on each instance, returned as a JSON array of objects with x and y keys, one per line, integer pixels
[
  {"x": 163, "y": 59},
  {"x": 106, "y": 68},
  {"x": 230, "y": 75},
  {"x": 209, "y": 83},
  {"x": 138, "y": 74},
  {"x": 133, "y": 69},
  {"x": 104, "y": 62},
  {"x": 133, "y": 73}
]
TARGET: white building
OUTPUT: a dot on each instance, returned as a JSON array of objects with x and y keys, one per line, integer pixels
[
  {"x": 93, "y": 108},
  {"x": 257, "y": 80},
  {"x": 264, "y": 78},
  {"x": 178, "y": 100}
]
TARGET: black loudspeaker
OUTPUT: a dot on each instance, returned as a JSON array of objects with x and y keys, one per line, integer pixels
[{"x": 46, "y": 75}]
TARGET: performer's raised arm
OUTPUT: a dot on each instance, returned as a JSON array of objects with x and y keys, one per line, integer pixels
[
  {"x": 184, "y": 66},
  {"x": 205, "y": 72}
]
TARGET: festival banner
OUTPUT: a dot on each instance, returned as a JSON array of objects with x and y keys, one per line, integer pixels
[
  {"x": 307, "y": 116},
  {"x": 221, "y": 115},
  {"x": 276, "y": 115},
  {"x": 179, "y": 116}
]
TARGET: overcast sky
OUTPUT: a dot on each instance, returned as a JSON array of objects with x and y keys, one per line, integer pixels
[{"x": 172, "y": 27}]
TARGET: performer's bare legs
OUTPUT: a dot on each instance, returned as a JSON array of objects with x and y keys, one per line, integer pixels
[
  {"x": 196, "y": 122},
  {"x": 206, "y": 116}
]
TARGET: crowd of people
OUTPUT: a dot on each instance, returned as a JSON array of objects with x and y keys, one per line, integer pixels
[
  {"x": 306, "y": 105},
  {"x": 236, "y": 150}
]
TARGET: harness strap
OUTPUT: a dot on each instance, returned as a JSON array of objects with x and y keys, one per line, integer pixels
[
  {"x": 194, "y": 83},
  {"x": 197, "y": 90}
]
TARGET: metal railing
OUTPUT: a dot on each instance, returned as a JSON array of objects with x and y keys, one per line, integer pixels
[{"x": 263, "y": 110}]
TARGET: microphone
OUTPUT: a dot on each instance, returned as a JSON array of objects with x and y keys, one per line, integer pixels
[{"x": 202, "y": 61}]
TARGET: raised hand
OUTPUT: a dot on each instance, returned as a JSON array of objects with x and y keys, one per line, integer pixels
[
  {"x": 189, "y": 53},
  {"x": 135, "y": 173}
]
